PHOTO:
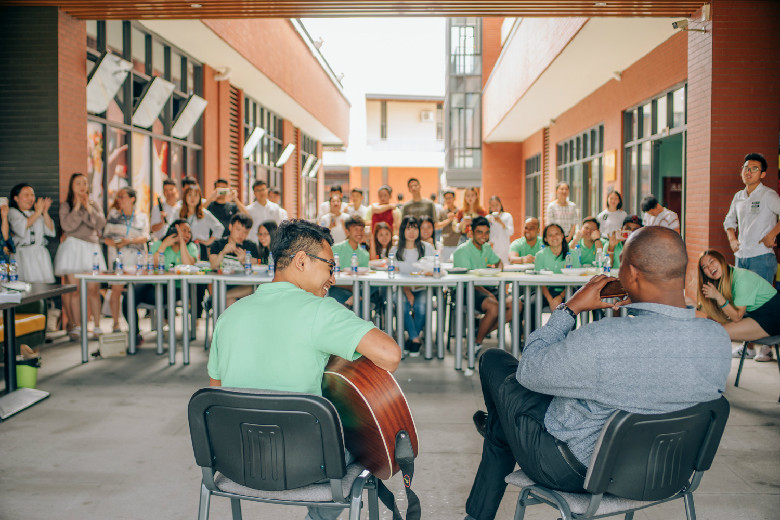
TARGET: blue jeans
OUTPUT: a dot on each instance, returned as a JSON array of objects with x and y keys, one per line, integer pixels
[
  {"x": 763, "y": 265},
  {"x": 340, "y": 294},
  {"x": 414, "y": 325}
]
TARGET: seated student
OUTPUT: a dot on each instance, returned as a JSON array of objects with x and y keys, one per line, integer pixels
[
  {"x": 411, "y": 249},
  {"x": 266, "y": 235},
  {"x": 553, "y": 258},
  {"x": 427, "y": 231},
  {"x": 230, "y": 253},
  {"x": 588, "y": 238},
  {"x": 618, "y": 238},
  {"x": 746, "y": 304},
  {"x": 382, "y": 241},
  {"x": 476, "y": 253},
  {"x": 165, "y": 210},
  {"x": 524, "y": 249},
  {"x": 354, "y": 227},
  {"x": 174, "y": 249}
]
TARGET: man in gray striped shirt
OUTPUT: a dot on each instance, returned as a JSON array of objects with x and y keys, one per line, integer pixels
[{"x": 546, "y": 412}]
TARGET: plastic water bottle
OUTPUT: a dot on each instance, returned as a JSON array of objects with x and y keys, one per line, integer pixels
[
  {"x": 271, "y": 266},
  {"x": 354, "y": 263},
  {"x": 3, "y": 271},
  {"x": 600, "y": 258},
  {"x": 13, "y": 271},
  {"x": 568, "y": 261},
  {"x": 337, "y": 269},
  {"x": 95, "y": 263},
  {"x": 139, "y": 263},
  {"x": 391, "y": 265},
  {"x": 248, "y": 263},
  {"x": 436, "y": 266},
  {"x": 160, "y": 263},
  {"x": 149, "y": 263},
  {"x": 119, "y": 266},
  {"x": 578, "y": 250},
  {"x": 607, "y": 264}
]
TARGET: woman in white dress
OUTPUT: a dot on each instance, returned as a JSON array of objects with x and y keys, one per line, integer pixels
[
  {"x": 82, "y": 223},
  {"x": 563, "y": 212},
  {"x": 502, "y": 227},
  {"x": 205, "y": 227},
  {"x": 334, "y": 220},
  {"x": 126, "y": 231},
  {"x": 611, "y": 219},
  {"x": 30, "y": 225}
]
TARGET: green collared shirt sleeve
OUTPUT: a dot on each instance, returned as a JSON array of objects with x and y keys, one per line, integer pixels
[{"x": 337, "y": 330}]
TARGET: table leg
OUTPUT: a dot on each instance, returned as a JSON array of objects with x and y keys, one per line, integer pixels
[
  {"x": 440, "y": 322},
  {"x": 356, "y": 296},
  {"x": 527, "y": 313},
  {"x": 428, "y": 322},
  {"x": 516, "y": 319},
  {"x": 132, "y": 318},
  {"x": 389, "y": 312},
  {"x": 502, "y": 315},
  {"x": 399, "y": 319},
  {"x": 185, "y": 319},
  {"x": 84, "y": 319},
  {"x": 366, "y": 301},
  {"x": 222, "y": 296},
  {"x": 160, "y": 312},
  {"x": 172, "y": 322},
  {"x": 459, "y": 325},
  {"x": 193, "y": 317},
  {"x": 470, "y": 321},
  {"x": 9, "y": 339},
  {"x": 539, "y": 307}
]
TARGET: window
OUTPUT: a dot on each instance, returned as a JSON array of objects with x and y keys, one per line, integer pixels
[
  {"x": 439, "y": 122},
  {"x": 533, "y": 178},
  {"x": 580, "y": 164},
  {"x": 261, "y": 163},
  {"x": 383, "y": 120},
  {"x": 309, "y": 151}
]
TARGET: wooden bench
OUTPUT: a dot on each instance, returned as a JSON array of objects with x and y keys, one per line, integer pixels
[{"x": 30, "y": 324}]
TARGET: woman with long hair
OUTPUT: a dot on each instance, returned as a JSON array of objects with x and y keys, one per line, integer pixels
[
  {"x": 266, "y": 238},
  {"x": 746, "y": 304},
  {"x": 552, "y": 257},
  {"x": 30, "y": 224},
  {"x": 427, "y": 230},
  {"x": 611, "y": 219},
  {"x": 502, "y": 227},
  {"x": 562, "y": 211},
  {"x": 82, "y": 223},
  {"x": 471, "y": 209},
  {"x": 126, "y": 232},
  {"x": 382, "y": 241},
  {"x": 205, "y": 227},
  {"x": 411, "y": 249}
]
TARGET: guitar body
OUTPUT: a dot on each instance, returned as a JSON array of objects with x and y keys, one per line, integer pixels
[{"x": 373, "y": 409}]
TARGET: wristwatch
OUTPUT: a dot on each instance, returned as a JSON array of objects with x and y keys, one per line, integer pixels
[{"x": 564, "y": 307}]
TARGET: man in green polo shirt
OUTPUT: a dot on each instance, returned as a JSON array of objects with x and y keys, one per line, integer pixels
[
  {"x": 476, "y": 253},
  {"x": 524, "y": 249},
  {"x": 355, "y": 227},
  {"x": 589, "y": 240}
]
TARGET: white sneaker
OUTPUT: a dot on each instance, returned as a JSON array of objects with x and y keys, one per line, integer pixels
[
  {"x": 737, "y": 352},
  {"x": 765, "y": 354}
]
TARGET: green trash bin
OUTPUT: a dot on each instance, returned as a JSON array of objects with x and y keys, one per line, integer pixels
[{"x": 27, "y": 373}]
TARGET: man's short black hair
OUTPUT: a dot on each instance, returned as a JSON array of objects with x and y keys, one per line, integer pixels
[
  {"x": 298, "y": 235},
  {"x": 591, "y": 219},
  {"x": 336, "y": 187},
  {"x": 648, "y": 203},
  {"x": 275, "y": 191},
  {"x": 448, "y": 192},
  {"x": 632, "y": 219},
  {"x": 357, "y": 190},
  {"x": 480, "y": 221},
  {"x": 354, "y": 220},
  {"x": 755, "y": 156},
  {"x": 411, "y": 180},
  {"x": 243, "y": 219},
  {"x": 221, "y": 181},
  {"x": 258, "y": 182},
  {"x": 187, "y": 181},
  {"x": 169, "y": 182}
]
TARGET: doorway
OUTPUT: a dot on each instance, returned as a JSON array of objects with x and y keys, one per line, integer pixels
[{"x": 668, "y": 161}]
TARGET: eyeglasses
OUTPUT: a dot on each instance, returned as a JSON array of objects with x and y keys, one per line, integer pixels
[
  {"x": 331, "y": 263},
  {"x": 751, "y": 169}
]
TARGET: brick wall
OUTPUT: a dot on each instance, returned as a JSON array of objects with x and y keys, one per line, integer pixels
[
  {"x": 290, "y": 177},
  {"x": 71, "y": 97},
  {"x": 491, "y": 45},
  {"x": 503, "y": 176}
]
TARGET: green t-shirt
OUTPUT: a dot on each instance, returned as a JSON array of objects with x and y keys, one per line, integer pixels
[
  {"x": 546, "y": 260},
  {"x": 344, "y": 250},
  {"x": 587, "y": 254},
  {"x": 521, "y": 247},
  {"x": 749, "y": 289},
  {"x": 467, "y": 255},
  {"x": 174, "y": 257},
  {"x": 280, "y": 338},
  {"x": 616, "y": 255}
]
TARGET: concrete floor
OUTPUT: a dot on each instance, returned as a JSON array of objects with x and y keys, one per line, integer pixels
[{"x": 112, "y": 442}]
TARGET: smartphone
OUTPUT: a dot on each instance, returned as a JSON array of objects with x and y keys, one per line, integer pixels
[
  {"x": 613, "y": 289},
  {"x": 3, "y": 201},
  {"x": 223, "y": 191}
]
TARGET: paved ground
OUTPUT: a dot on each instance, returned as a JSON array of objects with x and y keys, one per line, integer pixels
[{"x": 112, "y": 442}]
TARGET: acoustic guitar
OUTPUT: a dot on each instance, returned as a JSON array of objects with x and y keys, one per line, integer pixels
[{"x": 373, "y": 409}]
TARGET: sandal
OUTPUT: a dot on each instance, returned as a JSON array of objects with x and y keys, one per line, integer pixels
[{"x": 75, "y": 334}]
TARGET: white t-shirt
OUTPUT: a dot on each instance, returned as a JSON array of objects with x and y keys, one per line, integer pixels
[
  {"x": 171, "y": 214},
  {"x": 411, "y": 256},
  {"x": 499, "y": 236},
  {"x": 667, "y": 218},
  {"x": 325, "y": 208},
  {"x": 338, "y": 232},
  {"x": 610, "y": 221},
  {"x": 260, "y": 213},
  {"x": 753, "y": 216}
]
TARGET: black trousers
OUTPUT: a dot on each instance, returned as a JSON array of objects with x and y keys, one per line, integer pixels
[{"x": 515, "y": 433}]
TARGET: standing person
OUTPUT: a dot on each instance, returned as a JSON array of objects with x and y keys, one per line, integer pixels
[
  {"x": 745, "y": 304},
  {"x": 611, "y": 219},
  {"x": 223, "y": 203},
  {"x": 411, "y": 249},
  {"x": 384, "y": 211},
  {"x": 656, "y": 215},
  {"x": 524, "y": 249},
  {"x": 449, "y": 237},
  {"x": 266, "y": 236},
  {"x": 275, "y": 196},
  {"x": 382, "y": 241},
  {"x": 334, "y": 220},
  {"x": 82, "y": 223},
  {"x": 502, "y": 227},
  {"x": 204, "y": 226},
  {"x": 355, "y": 206},
  {"x": 438, "y": 207},
  {"x": 427, "y": 231},
  {"x": 6, "y": 241},
  {"x": 588, "y": 238},
  {"x": 126, "y": 231},
  {"x": 545, "y": 412},
  {"x": 553, "y": 258},
  {"x": 754, "y": 212},
  {"x": 262, "y": 209},
  {"x": 335, "y": 191},
  {"x": 165, "y": 211},
  {"x": 563, "y": 212},
  {"x": 30, "y": 224},
  {"x": 472, "y": 208},
  {"x": 418, "y": 206}
]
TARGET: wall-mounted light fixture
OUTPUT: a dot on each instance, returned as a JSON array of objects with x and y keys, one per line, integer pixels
[
  {"x": 286, "y": 153},
  {"x": 253, "y": 141}
]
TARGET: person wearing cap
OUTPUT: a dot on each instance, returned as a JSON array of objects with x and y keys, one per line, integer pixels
[{"x": 618, "y": 238}]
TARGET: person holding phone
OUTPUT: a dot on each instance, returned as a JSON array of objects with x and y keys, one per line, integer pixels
[
  {"x": 31, "y": 224},
  {"x": 618, "y": 238}
]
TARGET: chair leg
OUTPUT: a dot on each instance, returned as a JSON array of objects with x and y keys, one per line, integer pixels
[
  {"x": 373, "y": 502},
  {"x": 741, "y": 362},
  {"x": 205, "y": 500},
  {"x": 630, "y": 515},
  {"x": 520, "y": 509},
  {"x": 235, "y": 508},
  {"x": 690, "y": 510},
  {"x": 777, "y": 358}
]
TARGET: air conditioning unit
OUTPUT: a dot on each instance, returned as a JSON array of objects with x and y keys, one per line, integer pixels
[{"x": 426, "y": 115}]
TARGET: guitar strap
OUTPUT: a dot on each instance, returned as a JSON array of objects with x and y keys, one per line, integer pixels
[{"x": 404, "y": 456}]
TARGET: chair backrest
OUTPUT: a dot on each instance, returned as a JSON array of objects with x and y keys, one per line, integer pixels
[
  {"x": 652, "y": 457},
  {"x": 266, "y": 440}
]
